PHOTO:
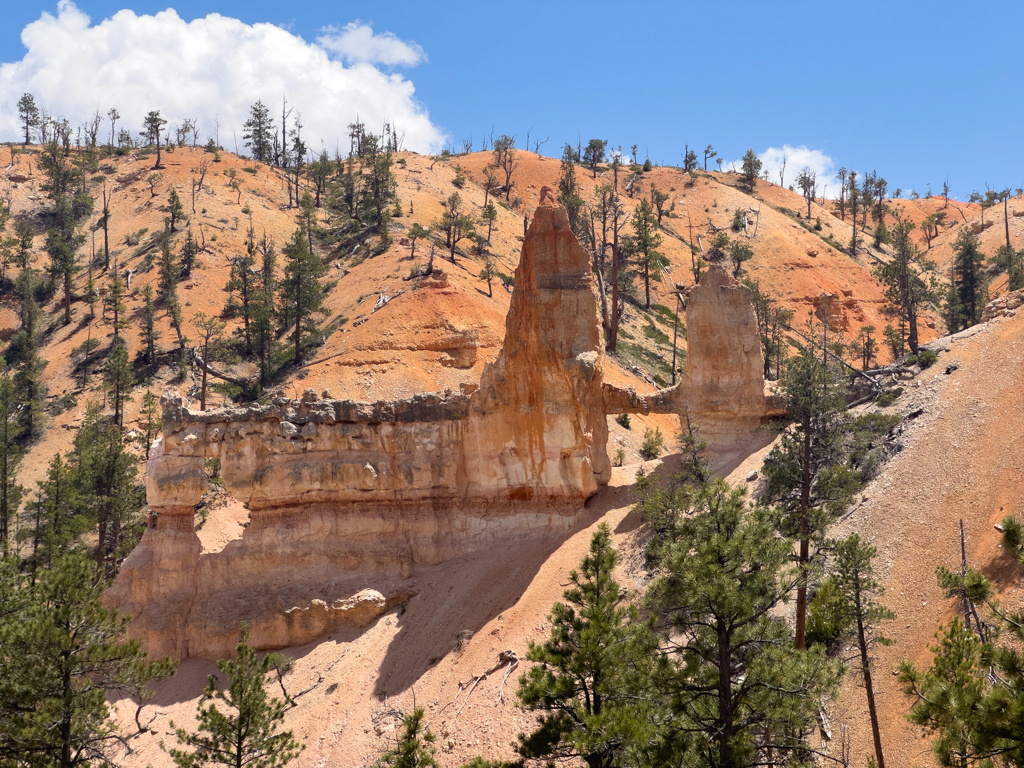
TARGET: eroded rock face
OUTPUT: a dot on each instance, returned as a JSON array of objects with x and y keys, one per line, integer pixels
[
  {"x": 341, "y": 487},
  {"x": 346, "y": 497},
  {"x": 722, "y": 385}
]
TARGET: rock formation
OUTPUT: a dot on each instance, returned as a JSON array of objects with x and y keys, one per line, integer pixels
[
  {"x": 722, "y": 386},
  {"x": 346, "y": 497}
]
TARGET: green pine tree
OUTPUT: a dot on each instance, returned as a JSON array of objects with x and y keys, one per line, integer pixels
[
  {"x": 577, "y": 681},
  {"x": 211, "y": 339},
  {"x": 751, "y": 170},
  {"x": 264, "y": 340},
  {"x": 302, "y": 290},
  {"x": 58, "y": 522},
  {"x": 733, "y": 688},
  {"x": 174, "y": 209},
  {"x": 151, "y": 420},
  {"x": 241, "y": 287},
  {"x": 114, "y": 304},
  {"x": 855, "y": 582},
  {"x": 61, "y": 655},
  {"x": 10, "y": 459},
  {"x": 118, "y": 378},
  {"x": 907, "y": 280},
  {"x": 966, "y": 299},
  {"x": 809, "y": 481},
  {"x": 249, "y": 732},
  {"x": 414, "y": 748},
  {"x": 150, "y": 333},
  {"x": 646, "y": 241}
]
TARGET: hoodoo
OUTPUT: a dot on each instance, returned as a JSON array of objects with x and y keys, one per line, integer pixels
[{"x": 346, "y": 497}]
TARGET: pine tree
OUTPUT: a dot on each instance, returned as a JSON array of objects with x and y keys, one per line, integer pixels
[
  {"x": 151, "y": 421},
  {"x": 807, "y": 182},
  {"x": 28, "y": 380},
  {"x": 240, "y": 286},
  {"x": 114, "y": 303},
  {"x": 169, "y": 273},
  {"x": 302, "y": 292},
  {"x": 971, "y": 697},
  {"x": 262, "y": 323},
  {"x": 10, "y": 459},
  {"x": 414, "y": 748},
  {"x": 174, "y": 209},
  {"x": 809, "y": 481},
  {"x": 455, "y": 224},
  {"x": 248, "y": 734},
  {"x": 59, "y": 521},
  {"x": 61, "y": 655},
  {"x": 906, "y": 278},
  {"x": 118, "y": 378},
  {"x": 378, "y": 183},
  {"x": 751, "y": 170},
  {"x": 152, "y": 126},
  {"x": 646, "y": 240},
  {"x": 770, "y": 319},
  {"x": 189, "y": 250},
  {"x": 855, "y": 582},
  {"x": 739, "y": 254},
  {"x": 735, "y": 689},
  {"x": 568, "y": 192},
  {"x": 966, "y": 299},
  {"x": 258, "y": 131},
  {"x": 490, "y": 215},
  {"x": 593, "y": 155},
  {"x": 577, "y": 680},
  {"x": 109, "y": 493},
  {"x": 417, "y": 232},
  {"x": 28, "y": 115},
  {"x": 150, "y": 334},
  {"x": 211, "y": 337},
  {"x": 488, "y": 273}
]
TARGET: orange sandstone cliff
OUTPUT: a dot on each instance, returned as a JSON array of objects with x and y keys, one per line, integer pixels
[{"x": 345, "y": 496}]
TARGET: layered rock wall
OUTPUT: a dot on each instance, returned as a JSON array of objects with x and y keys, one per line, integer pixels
[
  {"x": 337, "y": 488},
  {"x": 346, "y": 497}
]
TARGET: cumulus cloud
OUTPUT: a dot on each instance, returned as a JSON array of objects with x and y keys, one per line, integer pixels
[
  {"x": 796, "y": 159},
  {"x": 357, "y": 42},
  {"x": 213, "y": 69}
]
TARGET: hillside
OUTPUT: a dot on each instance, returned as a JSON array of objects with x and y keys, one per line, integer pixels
[
  {"x": 960, "y": 458},
  {"x": 405, "y": 347}
]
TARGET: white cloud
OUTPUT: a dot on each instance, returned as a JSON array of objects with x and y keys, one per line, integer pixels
[
  {"x": 356, "y": 42},
  {"x": 796, "y": 159},
  {"x": 212, "y": 69}
]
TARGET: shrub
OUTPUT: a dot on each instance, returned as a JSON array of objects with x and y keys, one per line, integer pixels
[
  {"x": 622, "y": 420},
  {"x": 912, "y": 360},
  {"x": 620, "y": 456},
  {"x": 888, "y": 398},
  {"x": 653, "y": 444},
  {"x": 927, "y": 359},
  {"x": 212, "y": 467},
  {"x": 737, "y": 220}
]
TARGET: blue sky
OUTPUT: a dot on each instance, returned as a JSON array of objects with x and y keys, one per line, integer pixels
[{"x": 915, "y": 91}]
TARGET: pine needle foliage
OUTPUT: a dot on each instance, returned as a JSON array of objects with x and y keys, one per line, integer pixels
[{"x": 247, "y": 734}]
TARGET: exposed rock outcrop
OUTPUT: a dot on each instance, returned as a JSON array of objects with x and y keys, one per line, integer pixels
[
  {"x": 341, "y": 487},
  {"x": 1003, "y": 306},
  {"x": 722, "y": 384},
  {"x": 346, "y": 497}
]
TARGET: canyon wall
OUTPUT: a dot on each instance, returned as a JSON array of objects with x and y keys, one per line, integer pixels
[{"x": 346, "y": 497}]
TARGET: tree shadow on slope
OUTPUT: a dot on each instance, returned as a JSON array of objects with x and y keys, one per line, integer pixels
[{"x": 464, "y": 594}]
